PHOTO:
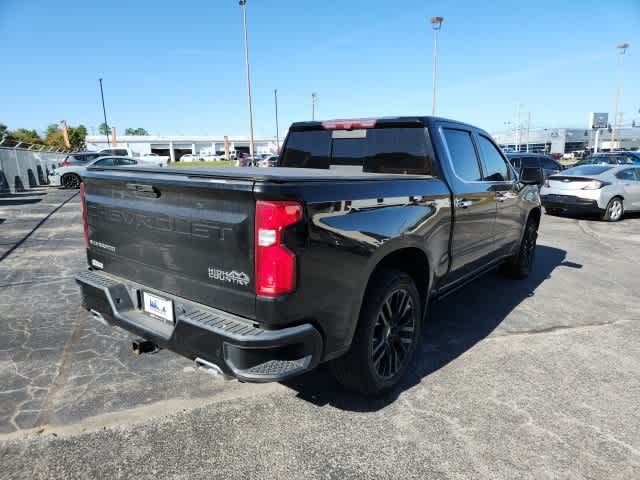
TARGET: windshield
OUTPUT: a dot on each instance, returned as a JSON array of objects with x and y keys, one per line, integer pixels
[
  {"x": 379, "y": 150},
  {"x": 587, "y": 170}
]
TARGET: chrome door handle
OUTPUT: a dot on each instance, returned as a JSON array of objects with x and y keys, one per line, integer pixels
[{"x": 463, "y": 203}]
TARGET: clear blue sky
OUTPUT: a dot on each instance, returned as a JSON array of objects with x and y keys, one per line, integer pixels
[{"x": 177, "y": 67}]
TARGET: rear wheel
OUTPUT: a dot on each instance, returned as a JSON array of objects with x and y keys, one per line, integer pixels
[
  {"x": 71, "y": 180},
  {"x": 614, "y": 210},
  {"x": 519, "y": 266},
  {"x": 386, "y": 336}
]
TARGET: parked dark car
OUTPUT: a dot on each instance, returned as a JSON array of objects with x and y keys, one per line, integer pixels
[
  {"x": 331, "y": 257},
  {"x": 535, "y": 160}
]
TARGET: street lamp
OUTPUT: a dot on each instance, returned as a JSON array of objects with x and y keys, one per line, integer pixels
[
  {"x": 275, "y": 98},
  {"x": 622, "y": 49},
  {"x": 243, "y": 5},
  {"x": 436, "y": 24},
  {"x": 104, "y": 112}
]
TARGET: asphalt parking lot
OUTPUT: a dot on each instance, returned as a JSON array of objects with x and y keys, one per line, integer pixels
[{"x": 532, "y": 379}]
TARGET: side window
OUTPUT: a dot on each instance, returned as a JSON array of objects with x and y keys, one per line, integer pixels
[
  {"x": 628, "y": 174},
  {"x": 531, "y": 162},
  {"x": 495, "y": 167},
  {"x": 549, "y": 164},
  {"x": 463, "y": 154},
  {"x": 126, "y": 161},
  {"x": 105, "y": 162}
]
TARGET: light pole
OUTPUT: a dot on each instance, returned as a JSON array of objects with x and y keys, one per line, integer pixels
[
  {"x": 314, "y": 100},
  {"x": 622, "y": 49},
  {"x": 436, "y": 24},
  {"x": 243, "y": 5},
  {"x": 275, "y": 99},
  {"x": 104, "y": 112}
]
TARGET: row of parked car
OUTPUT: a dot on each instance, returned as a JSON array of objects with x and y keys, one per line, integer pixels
[{"x": 606, "y": 184}]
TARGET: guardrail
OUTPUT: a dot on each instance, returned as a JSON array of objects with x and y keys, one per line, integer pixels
[{"x": 22, "y": 169}]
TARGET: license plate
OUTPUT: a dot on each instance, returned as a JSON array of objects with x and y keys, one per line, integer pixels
[{"x": 158, "y": 306}]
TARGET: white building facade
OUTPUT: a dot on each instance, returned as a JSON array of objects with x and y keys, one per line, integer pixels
[
  {"x": 178, "y": 145},
  {"x": 567, "y": 140}
]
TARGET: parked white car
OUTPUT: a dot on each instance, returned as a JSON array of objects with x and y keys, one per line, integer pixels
[
  {"x": 190, "y": 157},
  {"x": 71, "y": 176},
  {"x": 607, "y": 190},
  {"x": 159, "y": 160}
]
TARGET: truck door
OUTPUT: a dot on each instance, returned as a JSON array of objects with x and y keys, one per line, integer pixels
[
  {"x": 473, "y": 202},
  {"x": 497, "y": 173}
]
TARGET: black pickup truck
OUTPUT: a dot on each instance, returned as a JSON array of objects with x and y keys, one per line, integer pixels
[{"x": 332, "y": 256}]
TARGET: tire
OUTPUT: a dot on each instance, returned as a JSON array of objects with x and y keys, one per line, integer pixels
[
  {"x": 614, "y": 211},
  {"x": 385, "y": 340},
  {"x": 519, "y": 266},
  {"x": 71, "y": 180}
]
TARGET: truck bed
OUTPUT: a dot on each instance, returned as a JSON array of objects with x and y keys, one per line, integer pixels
[{"x": 275, "y": 175}]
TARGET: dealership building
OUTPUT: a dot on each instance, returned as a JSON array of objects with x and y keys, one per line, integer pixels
[
  {"x": 176, "y": 146},
  {"x": 566, "y": 140}
]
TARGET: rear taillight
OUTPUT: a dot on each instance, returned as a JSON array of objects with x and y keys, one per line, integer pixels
[
  {"x": 275, "y": 263},
  {"x": 85, "y": 220},
  {"x": 595, "y": 185}
]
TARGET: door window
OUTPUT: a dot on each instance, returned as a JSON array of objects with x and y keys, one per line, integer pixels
[
  {"x": 549, "y": 164},
  {"x": 463, "y": 154},
  {"x": 126, "y": 161},
  {"x": 530, "y": 162},
  {"x": 495, "y": 167},
  {"x": 105, "y": 162},
  {"x": 628, "y": 174}
]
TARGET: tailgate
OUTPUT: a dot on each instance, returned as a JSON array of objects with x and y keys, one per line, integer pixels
[
  {"x": 569, "y": 183},
  {"x": 188, "y": 237}
]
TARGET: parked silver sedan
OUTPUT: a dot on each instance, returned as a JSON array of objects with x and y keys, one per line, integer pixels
[{"x": 608, "y": 190}]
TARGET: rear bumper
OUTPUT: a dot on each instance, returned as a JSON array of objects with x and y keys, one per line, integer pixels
[
  {"x": 237, "y": 345},
  {"x": 571, "y": 204},
  {"x": 54, "y": 180}
]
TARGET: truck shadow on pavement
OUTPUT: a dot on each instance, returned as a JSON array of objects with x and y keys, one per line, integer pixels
[{"x": 454, "y": 325}]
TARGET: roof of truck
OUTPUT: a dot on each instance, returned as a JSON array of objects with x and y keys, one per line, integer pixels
[{"x": 402, "y": 121}]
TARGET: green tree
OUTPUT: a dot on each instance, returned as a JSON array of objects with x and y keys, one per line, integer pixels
[
  {"x": 104, "y": 129},
  {"x": 136, "y": 131},
  {"x": 77, "y": 136},
  {"x": 53, "y": 136},
  {"x": 25, "y": 135},
  {"x": 3, "y": 130}
]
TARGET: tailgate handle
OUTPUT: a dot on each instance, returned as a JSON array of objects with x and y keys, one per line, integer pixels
[{"x": 144, "y": 191}]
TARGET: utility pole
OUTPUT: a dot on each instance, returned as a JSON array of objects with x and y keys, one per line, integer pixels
[
  {"x": 314, "y": 100},
  {"x": 275, "y": 99},
  {"x": 104, "y": 112},
  {"x": 436, "y": 25},
  {"x": 528, "y": 129},
  {"x": 622, "y": 49},
  {"x": 243, "y": 5}
]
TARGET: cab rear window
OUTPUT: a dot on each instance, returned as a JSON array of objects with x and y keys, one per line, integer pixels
[{"x": 378, "y": 150}]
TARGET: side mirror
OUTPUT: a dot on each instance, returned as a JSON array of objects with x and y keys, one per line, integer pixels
[{"x": 531, "y": 176}]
